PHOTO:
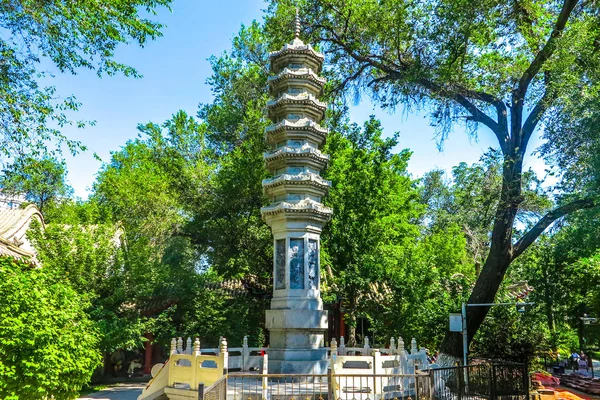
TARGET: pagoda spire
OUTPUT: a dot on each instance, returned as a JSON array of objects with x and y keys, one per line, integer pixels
[{"x": 297, "y": 25}]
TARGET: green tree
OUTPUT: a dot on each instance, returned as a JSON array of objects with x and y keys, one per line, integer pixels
[
  {"x": 375, "y": 212},
  {"x": 48, "y": 345},
  {"x": 229, "y": 228},
  {"x": 71, "y": 35},
  {"x": 40, "y": 181},
  {"x": 498, "y": 65},
  {"x": 471, "y": 196}
]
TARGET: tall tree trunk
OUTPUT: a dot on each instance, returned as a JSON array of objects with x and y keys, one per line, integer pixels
[
  {"x": 352, "y": 331},
  {"x": 549, "y": 302},
  {"x": 499, "y": 257}
]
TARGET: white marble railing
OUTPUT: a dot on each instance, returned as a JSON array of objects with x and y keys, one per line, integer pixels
[
  {"x": 244, "y": 358},
  {"x": 247, "y": 358},
  {"x": 383, "y": 373}
]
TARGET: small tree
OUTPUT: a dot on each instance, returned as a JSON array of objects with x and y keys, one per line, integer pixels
[
  {"x": 40, "y": 181},
  {"x": 48, "y": 346}
]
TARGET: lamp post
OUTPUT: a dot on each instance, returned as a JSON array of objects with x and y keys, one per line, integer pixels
[{"x": 464, "y": 321}]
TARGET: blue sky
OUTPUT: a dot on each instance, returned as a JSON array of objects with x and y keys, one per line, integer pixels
[{"x": 175, "y": 69}]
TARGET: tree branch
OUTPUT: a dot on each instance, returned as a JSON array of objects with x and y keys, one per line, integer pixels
[
  {"x": 548, "y": 48},
  {"x": 536, "y": 115},
  {"x": 458, "y": 94},
  {"x": 528, "y": 238},
  {"x": 477, "y": 114}
]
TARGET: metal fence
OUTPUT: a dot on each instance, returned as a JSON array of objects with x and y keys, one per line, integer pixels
[
  {"x": 277, "y": 387},
  {"x": 473, "y": 382},
  {"x": 328, "y": 387},
  {"x": 481, "y": 381},
  {"x": 381, "y": 386},
  {"x": 216, "y": 391}
]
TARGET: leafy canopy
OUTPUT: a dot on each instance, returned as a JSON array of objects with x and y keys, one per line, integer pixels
[{"x": 71, "y": 35}]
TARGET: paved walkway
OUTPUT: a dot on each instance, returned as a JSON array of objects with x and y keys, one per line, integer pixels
[{"x": 118, "y": 392}]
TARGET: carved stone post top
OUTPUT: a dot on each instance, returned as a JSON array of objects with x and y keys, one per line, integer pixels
[
  {"x": 367, "y": 342},
  {"x": 197, "y": 346},
  {"x": 223, "y": 345},
  {"x": 342, "y": 341},
  {"x": 245, "y": 341}
]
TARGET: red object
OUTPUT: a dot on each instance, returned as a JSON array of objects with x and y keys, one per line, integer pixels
[
  {"x": 148, "y": 353},
  {"x": 342, "y": 325},
  {"x": 546, "y": 380}
]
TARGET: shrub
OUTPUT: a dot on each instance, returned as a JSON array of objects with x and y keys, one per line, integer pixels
[{"x": 48, "y": 346}]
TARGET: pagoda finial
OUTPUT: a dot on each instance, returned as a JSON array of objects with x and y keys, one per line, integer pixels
[{"x": 297, "y": 23}]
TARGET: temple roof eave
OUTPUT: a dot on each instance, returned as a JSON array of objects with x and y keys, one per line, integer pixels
[
  {"x": 305, "y": 209},
  {"x": 294, "y": 50},
  {"x": 301, "y": 73},
  {"x": 290, "y": 152},
  {"x": 303, "y": 123},
  {"x": 299, "y": 99},
  {"x": 300, "y": 179}
]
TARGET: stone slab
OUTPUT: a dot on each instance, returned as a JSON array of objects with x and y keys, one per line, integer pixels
[
  {"x": 296, "y": 339},
  {"x": 297, "y": 354},
  {"x": 314, "y": 320},
  {"x": 297, "y": 367}
]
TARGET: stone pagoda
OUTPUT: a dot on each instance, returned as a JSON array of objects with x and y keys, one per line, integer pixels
[{"x": 296, "y": 215}]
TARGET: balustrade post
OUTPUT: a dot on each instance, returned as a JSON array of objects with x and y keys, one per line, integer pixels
[
  {"x": 197, "y": 350},
  {"x": 245, "y": 354},
  {"x": 224, "y": 355},
  {"x": 173, "y": 346},
  {"x": 413, "y": 346}
]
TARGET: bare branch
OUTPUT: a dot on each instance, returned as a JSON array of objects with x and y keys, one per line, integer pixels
[{"x": 528, "y": 238}]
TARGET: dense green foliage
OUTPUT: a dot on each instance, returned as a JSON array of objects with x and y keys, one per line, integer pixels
[
  {"x": 48, "y": 345},
  {"x": 171, "y": 242},
  {"x": 71, "y": 35},
  {"x": 497, "y": 67}
]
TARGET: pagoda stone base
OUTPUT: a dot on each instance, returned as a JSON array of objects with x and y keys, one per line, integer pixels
[
  {"x": 296, "y": 344},
  {"x": 317, "y": 367}
]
